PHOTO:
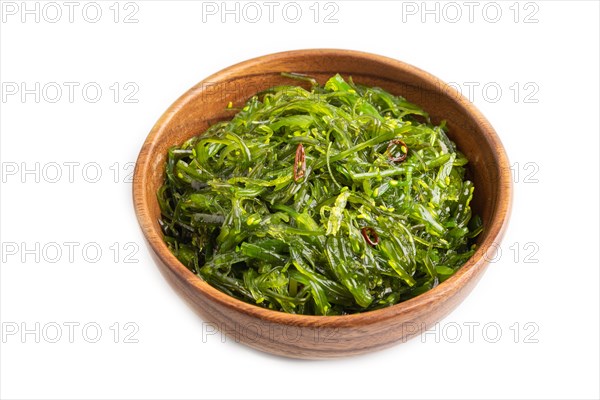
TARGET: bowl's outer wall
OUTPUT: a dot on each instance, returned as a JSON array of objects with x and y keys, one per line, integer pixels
[{"x": 326, "y": 337}]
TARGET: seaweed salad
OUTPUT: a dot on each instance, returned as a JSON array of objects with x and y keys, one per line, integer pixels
[{"x": 331, "y": 200}]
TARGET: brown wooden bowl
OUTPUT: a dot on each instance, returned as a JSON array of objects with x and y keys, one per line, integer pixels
[{"x": 315, "y": 337}]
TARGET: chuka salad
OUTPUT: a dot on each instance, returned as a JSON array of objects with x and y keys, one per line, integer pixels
[{"x": 329, "y": 201}]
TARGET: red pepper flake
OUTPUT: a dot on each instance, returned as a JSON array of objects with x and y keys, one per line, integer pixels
[
  {"x": 403, "y": 150},
  {"x": 370, "y": 235},
  {"x": 299, "y": 163}
]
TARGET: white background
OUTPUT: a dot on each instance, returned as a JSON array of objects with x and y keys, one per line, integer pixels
[{"x": 541, "y": 294}]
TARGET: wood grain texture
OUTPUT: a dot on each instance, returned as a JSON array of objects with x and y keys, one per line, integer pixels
[{"x": 315, "y": 337}]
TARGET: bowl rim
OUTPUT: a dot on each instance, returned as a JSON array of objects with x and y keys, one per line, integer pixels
[{"x": 455, "y": 283}]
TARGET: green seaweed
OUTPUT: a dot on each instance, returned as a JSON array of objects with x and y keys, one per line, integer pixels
[{"x": 326, "y": 201}]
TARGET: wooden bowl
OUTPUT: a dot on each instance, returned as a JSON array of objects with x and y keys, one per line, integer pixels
[{"x": 316, "y": 337}]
